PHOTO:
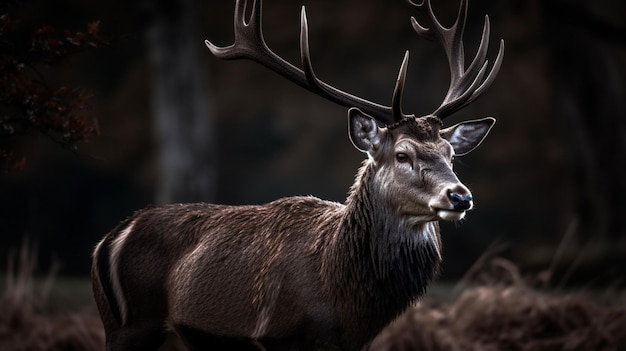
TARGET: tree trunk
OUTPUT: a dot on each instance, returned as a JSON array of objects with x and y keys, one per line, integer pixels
[{"x": 181, "y": 104}]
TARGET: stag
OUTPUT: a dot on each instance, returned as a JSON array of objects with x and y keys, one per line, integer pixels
[{"x": 301, "y": 273}]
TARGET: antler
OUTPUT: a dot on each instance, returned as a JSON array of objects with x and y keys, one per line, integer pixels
[
  {"x": 465, "y": 85},
  {"x": 250, "y": 44}
]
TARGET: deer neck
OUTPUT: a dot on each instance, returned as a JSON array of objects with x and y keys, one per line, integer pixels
[{"x": 395, "y": 260}]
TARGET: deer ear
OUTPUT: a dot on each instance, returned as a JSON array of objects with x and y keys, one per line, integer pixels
[
  {"x": 363, "y": 130},
  {"x": 466, "y": 136}
]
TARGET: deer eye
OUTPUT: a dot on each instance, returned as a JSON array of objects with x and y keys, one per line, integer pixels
[{"x": 402, "y": 157}]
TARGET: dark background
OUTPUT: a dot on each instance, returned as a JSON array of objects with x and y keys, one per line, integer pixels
[{"x": 180, "y": 125}]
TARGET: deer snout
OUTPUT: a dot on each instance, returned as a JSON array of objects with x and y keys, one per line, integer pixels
[
  {"x": 460, "y": 202},
  {"x": 459, "y": 197},
  {"x": 452, "y": 202}
]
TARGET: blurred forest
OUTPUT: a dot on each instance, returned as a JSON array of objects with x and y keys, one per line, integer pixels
[{"x": 176, "y": 124}]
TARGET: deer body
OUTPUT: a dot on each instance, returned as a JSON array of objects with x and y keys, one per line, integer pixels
[
  {"x": 284, "y": 271},
  {"x": 300, "y": 273}
]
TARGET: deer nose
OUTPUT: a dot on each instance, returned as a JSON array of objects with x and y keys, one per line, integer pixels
[{"x": 460, "y": 202}]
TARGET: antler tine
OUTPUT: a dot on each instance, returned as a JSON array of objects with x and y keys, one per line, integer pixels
[
  {"x": 491, "y": 76},
  {"x": 465, "y": 85},
  {"x": 250, "y": 44},
  {"x": 235, "y": 50},
  {"x": 396, "y": 100},
  {"x": 386, "y": 115}
]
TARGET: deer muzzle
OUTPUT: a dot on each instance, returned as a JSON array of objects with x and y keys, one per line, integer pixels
[
  {"x": 452, "y": 203},
  {"x": 461, "y": 202}
]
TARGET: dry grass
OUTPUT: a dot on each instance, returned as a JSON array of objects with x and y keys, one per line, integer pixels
[
  {"x": 501, "y": 312},
  {"x": 509, "y": 315},
  {"x": 25, "y": 327}
]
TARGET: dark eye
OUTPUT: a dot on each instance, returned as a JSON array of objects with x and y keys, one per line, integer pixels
[
  {"x": 452, "y": 159},
  {"x": 402, "y": 157}
]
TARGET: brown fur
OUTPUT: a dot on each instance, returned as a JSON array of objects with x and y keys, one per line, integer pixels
[{"x": 307, "y": 273}]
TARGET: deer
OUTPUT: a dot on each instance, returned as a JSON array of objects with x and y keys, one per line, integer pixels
[{"x": 301, "y": 273}]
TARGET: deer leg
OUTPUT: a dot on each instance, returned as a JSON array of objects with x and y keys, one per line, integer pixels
[
  {"x": 146, "y": 335},
  {"x": 195, "y": 339}
]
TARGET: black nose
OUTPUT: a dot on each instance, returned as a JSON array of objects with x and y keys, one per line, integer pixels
[{"x": 461, "y": 202}]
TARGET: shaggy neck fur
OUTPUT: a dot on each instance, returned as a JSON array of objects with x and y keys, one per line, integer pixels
[{"x": 395, "y": 261}]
